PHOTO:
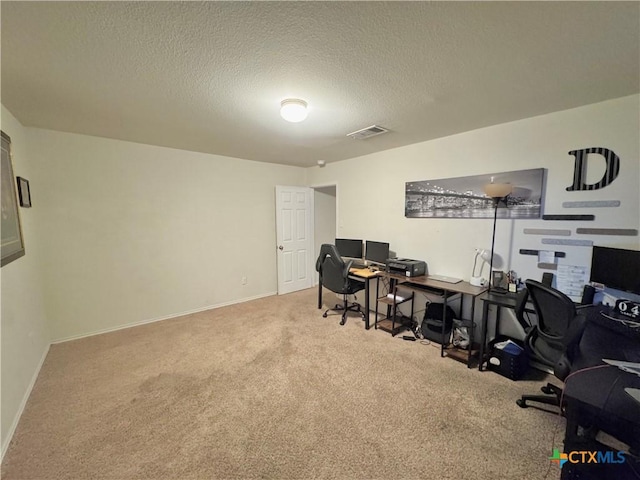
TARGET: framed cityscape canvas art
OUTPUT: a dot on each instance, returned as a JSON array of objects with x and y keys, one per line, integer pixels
[{"x": 464, "y": 197}]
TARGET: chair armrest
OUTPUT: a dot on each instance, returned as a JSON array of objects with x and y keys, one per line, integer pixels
[
  {"x": 585, "y": 305},
  {"x": 530, "y": 332},
  {"x": 347, "y": 267},
  {"x": 571, "y": 342}
]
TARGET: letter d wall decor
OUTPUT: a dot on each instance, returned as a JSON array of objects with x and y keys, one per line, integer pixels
[{"x": 580, "y": 169}]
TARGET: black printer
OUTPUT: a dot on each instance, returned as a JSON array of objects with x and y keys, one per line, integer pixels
[{"x": 406, "y": 266}]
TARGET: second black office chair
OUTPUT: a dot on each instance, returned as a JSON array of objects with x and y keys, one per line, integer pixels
[
  {"x": 334, "y": 275},
  {"x": 554, "y": 339}
]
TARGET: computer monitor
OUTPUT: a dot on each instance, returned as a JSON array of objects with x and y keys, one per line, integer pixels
[
  {"x": 616, "y": 268},
  {"x": 349, "y": 248},
  {"x": 376, "y": 252}
]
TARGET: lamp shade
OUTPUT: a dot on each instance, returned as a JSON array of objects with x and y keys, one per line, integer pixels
[
  {"x": 483, "y": 254},
  {"x": 497, "y": 190},
  {"x": 293, "y": 110}
]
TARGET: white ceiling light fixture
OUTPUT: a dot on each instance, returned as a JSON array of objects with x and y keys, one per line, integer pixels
[{"x": 293, "y": 110}]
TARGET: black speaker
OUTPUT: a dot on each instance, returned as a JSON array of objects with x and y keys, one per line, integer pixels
[
  {"x": 547, "y": 278},
  {"x": 587, "y": 295}
]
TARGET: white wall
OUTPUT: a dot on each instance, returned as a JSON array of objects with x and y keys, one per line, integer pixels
[
  {"x": 447, "y": 245},
  {"x": 137, "y": 232},
  {"x": 23, "y": 329}
]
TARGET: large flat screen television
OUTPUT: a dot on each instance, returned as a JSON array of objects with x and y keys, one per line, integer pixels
[
  {"x": 616, "y": 268},
  {"x": 349, "y": 248},
  {"x": 376, "y": 252}
]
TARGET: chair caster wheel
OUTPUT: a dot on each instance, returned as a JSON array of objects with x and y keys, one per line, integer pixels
[
  {"x": 521, "y": 403},
  {"x": 343, "y": 321},
  {"x": 546, "y": 390},
  {"x": 324, "y": 315}
]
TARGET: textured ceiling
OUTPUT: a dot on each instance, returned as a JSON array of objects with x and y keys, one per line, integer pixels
[{"x": 209, "y": 76}]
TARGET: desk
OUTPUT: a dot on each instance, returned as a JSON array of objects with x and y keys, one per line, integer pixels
[
  {"x": 595, "y": 400},
  {"x": 361, "y": 274},
  {"x": 506, "y": 300},
  {"x": 427, "y": 285}
]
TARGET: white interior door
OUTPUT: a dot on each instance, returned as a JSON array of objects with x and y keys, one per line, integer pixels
[{"x": 294, "y": 237}]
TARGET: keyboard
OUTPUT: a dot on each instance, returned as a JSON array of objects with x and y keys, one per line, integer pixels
[{"x": 442, "y": 278}]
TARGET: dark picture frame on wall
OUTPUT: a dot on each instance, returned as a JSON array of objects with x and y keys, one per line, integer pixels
[
  {"x": 24, "y": 192},
  {"x": 11, "y": 228}
]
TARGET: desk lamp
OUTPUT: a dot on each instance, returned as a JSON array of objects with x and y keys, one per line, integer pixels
[
  {"x": 498, "y": 192},
  {"x": 477, "y": 280}
]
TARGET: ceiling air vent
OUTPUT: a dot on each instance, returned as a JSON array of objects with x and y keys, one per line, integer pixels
[{"x": 371, "y": 131}]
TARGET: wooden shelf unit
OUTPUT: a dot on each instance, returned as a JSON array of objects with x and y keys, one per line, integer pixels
[
  {"x": 462, "y": 354},
  {"x": 393, "y": 322}
]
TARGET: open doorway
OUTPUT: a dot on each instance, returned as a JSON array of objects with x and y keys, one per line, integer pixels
[{"x": 325, "y": 218}]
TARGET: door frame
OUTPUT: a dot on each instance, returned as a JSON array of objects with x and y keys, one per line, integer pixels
[{"x": 314, "y": 187}]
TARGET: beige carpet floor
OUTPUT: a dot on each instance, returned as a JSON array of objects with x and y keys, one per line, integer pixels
[{"x": 270, "y": 389}]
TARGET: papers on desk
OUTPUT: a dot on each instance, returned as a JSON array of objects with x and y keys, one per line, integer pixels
[
  {"x": 629, "y": 367},
  {"x": 634, "y": 392}
]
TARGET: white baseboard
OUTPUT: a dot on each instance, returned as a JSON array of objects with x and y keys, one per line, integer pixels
[
  {"x": 173, "y": 315},
  {"x": 23, "y": 403}
]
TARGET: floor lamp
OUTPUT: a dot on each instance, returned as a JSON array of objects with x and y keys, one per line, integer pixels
[{"x": 498, "y": 192}]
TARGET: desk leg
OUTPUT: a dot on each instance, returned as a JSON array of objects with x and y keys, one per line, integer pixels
[
  {"x": 375, "y": 315},
  {"x": 366, "y": 302},
  {"x": 471, "y": 329},
  {"x": 319, "y": 295},
  {"x": 483, "y": 335},
  {"x": 571, "y": 438},
  {"x": 444, "y": 322}
]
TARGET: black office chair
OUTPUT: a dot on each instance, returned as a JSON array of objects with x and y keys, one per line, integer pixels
[
  {"x": 554, "y": 340},
  {"x": 334, "y": 275}
]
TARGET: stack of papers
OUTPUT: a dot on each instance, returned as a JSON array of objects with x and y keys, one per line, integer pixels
[
  {"x": 509, "y": 346},
  {"x": 398, "y": 296}
]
